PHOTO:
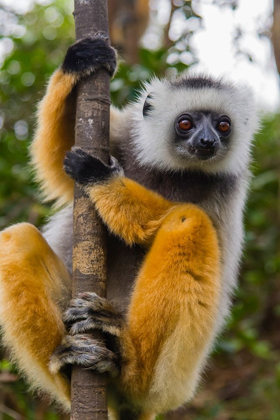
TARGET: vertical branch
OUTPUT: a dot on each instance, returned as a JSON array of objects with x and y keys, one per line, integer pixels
[{"x": 89, "y": 250}]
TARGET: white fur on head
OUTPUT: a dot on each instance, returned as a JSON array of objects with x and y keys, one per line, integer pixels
[{"x": 153, "y": 135}]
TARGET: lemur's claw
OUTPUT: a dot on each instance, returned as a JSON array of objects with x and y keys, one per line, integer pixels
[
  {"x": 86, "y": 352},
  {"x": 90, "y": 54},
  {"x": 86, "y": 169}
]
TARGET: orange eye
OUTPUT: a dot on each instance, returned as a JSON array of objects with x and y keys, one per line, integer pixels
[
  {"x": 224, "y": 126},
  {"x": 185, "y": 124}
]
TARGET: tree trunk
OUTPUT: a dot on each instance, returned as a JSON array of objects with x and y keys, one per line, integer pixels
[{"x": 89, "y": 249}]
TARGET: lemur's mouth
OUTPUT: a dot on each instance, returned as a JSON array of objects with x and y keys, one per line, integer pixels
[
  {"x": 202, "y": 153},
  {"x": 206, "y": 153}
]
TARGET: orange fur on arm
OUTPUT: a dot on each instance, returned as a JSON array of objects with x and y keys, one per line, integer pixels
[
  {"x": 55, "y": 133},
  {"x": 130, "y": 210},
  {"x": 54, "y": 137}
]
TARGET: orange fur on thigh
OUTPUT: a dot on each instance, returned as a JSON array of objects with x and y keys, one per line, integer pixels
[
  {"x": 31, "y": 277},
  {"x": 178, "y": 285}
]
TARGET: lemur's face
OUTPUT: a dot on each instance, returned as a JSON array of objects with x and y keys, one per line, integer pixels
[
  {"x": 202, "y": 135},
  {"x": 194, "y": 124}
]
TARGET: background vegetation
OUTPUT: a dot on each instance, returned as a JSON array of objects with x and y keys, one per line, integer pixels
[{"x": 243, "y": 380}]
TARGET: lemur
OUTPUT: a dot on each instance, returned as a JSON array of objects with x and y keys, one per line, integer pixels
[{"x": 172, "y": 199}]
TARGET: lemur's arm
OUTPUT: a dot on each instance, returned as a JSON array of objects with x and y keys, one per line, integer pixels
[
  {"x": 56, "y": 115},
  {"x": 130, "y": 210}
]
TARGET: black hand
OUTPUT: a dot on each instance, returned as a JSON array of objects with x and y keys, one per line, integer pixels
[
  {"x": 90, "y": 54},
  {"x": 86, "y": 169}
]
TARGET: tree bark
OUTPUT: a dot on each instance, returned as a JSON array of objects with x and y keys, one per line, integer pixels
[{"x": 89, "y": 249}]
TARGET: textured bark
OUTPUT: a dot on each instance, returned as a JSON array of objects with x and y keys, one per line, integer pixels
[
  {"x": 276, "y": 33},
  {"x": 89, "y": 252}
]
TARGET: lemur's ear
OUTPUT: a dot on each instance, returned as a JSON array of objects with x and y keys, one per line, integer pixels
[{"x": 148, "y": 107}]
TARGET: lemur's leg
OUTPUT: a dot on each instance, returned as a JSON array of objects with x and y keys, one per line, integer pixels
[
  {"x": 172, "y": 313},
  {"x": 56, "y": 115},
  {"x": 170, "y": 322},
  {"x": 34, "y": 288}
]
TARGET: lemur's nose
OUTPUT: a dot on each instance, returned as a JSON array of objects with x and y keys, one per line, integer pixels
[{"x": 207, "y": 143}]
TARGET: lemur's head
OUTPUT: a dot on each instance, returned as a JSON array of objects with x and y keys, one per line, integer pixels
[{"x": 194, "y": 123}]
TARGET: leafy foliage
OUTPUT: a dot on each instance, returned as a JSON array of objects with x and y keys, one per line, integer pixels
[{"x": 244, "y": 380}]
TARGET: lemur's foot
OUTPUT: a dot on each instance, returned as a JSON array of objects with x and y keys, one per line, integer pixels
[
  {"x": 85, "y": 313},
  {"x": 88, "y": 312},
  {"x": 86, "y": 169},
  {"x": 90, "y": 54},
  {"x": 86, "y": 352}
]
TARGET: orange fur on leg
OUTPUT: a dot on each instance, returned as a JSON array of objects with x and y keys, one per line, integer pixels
[
  {"x": 172, "y": 312},
  {"x": 34, "y": 284}
]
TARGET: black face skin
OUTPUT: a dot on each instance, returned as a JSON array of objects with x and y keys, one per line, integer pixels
[{"x": 202, "y": 134}]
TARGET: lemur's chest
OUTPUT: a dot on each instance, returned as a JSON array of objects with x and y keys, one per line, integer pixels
[{"x": 189, "y": 186}]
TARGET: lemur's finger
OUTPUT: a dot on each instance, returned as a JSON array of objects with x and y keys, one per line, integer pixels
[
  {"x": 111, "y": 327},
  {"x": 86, "y": 352},
  {"x": 84, "y": 168},
  {"x": 90, "y": 54}
]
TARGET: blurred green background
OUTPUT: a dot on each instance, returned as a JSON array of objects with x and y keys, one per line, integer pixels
[{"x": 243, "y": 378}]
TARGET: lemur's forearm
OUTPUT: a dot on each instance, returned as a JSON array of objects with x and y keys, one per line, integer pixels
[
  {"x": 127, "y": 208},
  {"x": 54, "y": 136},
  {"x": 56, "y": 116},
  {"x": 140, "y": 211}
]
